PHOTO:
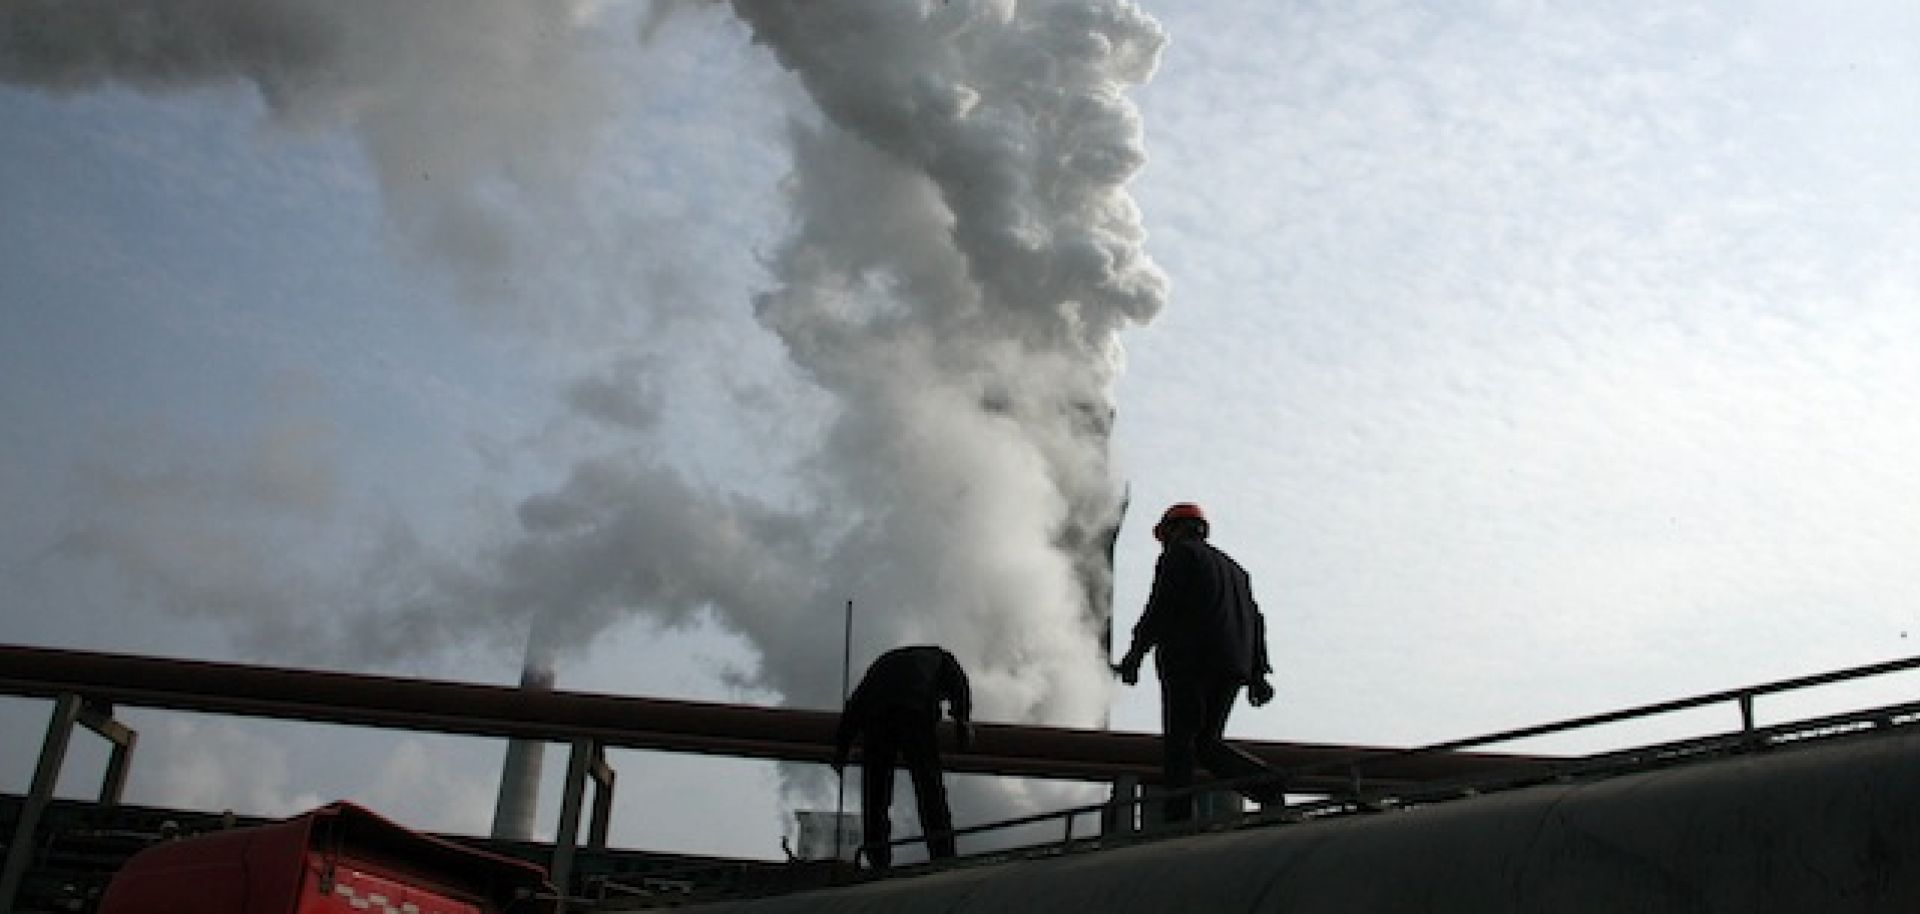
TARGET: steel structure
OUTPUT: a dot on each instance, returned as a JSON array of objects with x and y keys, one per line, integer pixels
[
  {"x": 626, "y": 722},
  {"x": 86, "y": 686},
  {"x": 1820, "y": 824}
]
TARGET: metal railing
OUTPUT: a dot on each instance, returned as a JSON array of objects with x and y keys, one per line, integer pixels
[
  {"x": 1748, "y": 737},
  {"x": 1362, "y": 795},
  {"x": 679, "y": 886}
]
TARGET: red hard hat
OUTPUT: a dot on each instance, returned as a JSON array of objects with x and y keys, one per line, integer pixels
[{"x": 1185, "y": 510}]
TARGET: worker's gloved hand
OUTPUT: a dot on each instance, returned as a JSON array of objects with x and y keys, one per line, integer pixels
[
  {"x": 1129, "y": 668},
  {"x": 963, "y": 735},
  {"x": 1259, "y": 692}
]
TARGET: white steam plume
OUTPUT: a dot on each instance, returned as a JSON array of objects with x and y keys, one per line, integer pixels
[
  {"x": 965, "y": 256},
  {"x": 963, "y": 259},
  {"x": 461, "y": 106}
]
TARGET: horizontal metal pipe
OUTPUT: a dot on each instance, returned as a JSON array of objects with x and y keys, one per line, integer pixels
[
  {"x": 1825, "y": 827},
  {"x": 786, "y": 734}
]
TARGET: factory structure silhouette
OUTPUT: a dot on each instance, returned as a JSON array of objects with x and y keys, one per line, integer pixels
[{"x": 1762, "y": 815}]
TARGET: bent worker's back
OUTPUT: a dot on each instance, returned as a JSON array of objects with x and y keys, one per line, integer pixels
[{"x": 915, "y": 678}]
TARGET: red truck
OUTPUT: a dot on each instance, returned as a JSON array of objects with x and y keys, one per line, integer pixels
[{"x": 337, "y": 859}]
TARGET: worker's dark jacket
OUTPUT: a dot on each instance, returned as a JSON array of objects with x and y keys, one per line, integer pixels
[
  {"x": 1201, "y": 616},
  {"x": 914, "y": 679}
]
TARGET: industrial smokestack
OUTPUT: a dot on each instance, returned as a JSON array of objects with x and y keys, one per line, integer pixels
[
  {"x": 515, "y": 812},
  {"x": 1093, "y": 564}
]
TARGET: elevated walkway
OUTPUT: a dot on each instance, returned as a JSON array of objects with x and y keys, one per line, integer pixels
[
  {"x": 1820, "y": 808},
  {"x": 1816, "y": 814},
  {"x": 87, "y": 687},
  {"x": 1823, "y": 825}
]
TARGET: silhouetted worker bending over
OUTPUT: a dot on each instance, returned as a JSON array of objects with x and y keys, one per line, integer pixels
[
  {"x": 895, "y": 711},
  {"x": 1208, "y": 640}
]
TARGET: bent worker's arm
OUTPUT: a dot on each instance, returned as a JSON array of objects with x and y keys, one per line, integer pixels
[
  {"x": 850, "y": 726},
  {"x": 953, "y": 685},
  {"x": 1261, "y": 666},
  {"x": 1259, "y": 690}
]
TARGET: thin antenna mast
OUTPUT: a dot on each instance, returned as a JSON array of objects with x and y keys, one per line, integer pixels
[{"x": 846, "y": 672}]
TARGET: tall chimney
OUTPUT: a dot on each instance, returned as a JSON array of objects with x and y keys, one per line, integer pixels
[{"x": 519, "y": 803}]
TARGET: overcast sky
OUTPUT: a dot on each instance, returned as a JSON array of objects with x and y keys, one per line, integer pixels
[{"x": 1537, "y": 359}]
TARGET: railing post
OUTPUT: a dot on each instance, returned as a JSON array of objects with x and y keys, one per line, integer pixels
[
  {"x": 53, "y": 752},
  {"x": 603, "y": 779},
  {"x": 98, "y": 717},
  {"x": 1122, "y": 806},
  {"x": 568, "y": 835},
  {"x": 1746, "y": 712},
  {"x": 113, "y": 785}
]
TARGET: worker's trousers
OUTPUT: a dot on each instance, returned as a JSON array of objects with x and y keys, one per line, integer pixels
[
  {"x": 1194, "y": 711},
  {"x": 912, "y": 737}
]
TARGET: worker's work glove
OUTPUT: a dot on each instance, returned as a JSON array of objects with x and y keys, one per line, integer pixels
[
  {"x": 1129, "y": 668},
  {"x": 1259, "y": 692},
  {"x": 963, "y": 735}
]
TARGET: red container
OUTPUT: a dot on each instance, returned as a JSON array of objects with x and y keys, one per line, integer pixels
[{"x": 338, "y": 859}]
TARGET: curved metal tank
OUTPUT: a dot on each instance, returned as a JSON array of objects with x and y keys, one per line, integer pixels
[{"x": 1831, "y": 828}]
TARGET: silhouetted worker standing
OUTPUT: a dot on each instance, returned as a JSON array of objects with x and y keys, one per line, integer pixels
[
  {"x": 895, "y": 711},
  {"x": 1208, "y": 640}
]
